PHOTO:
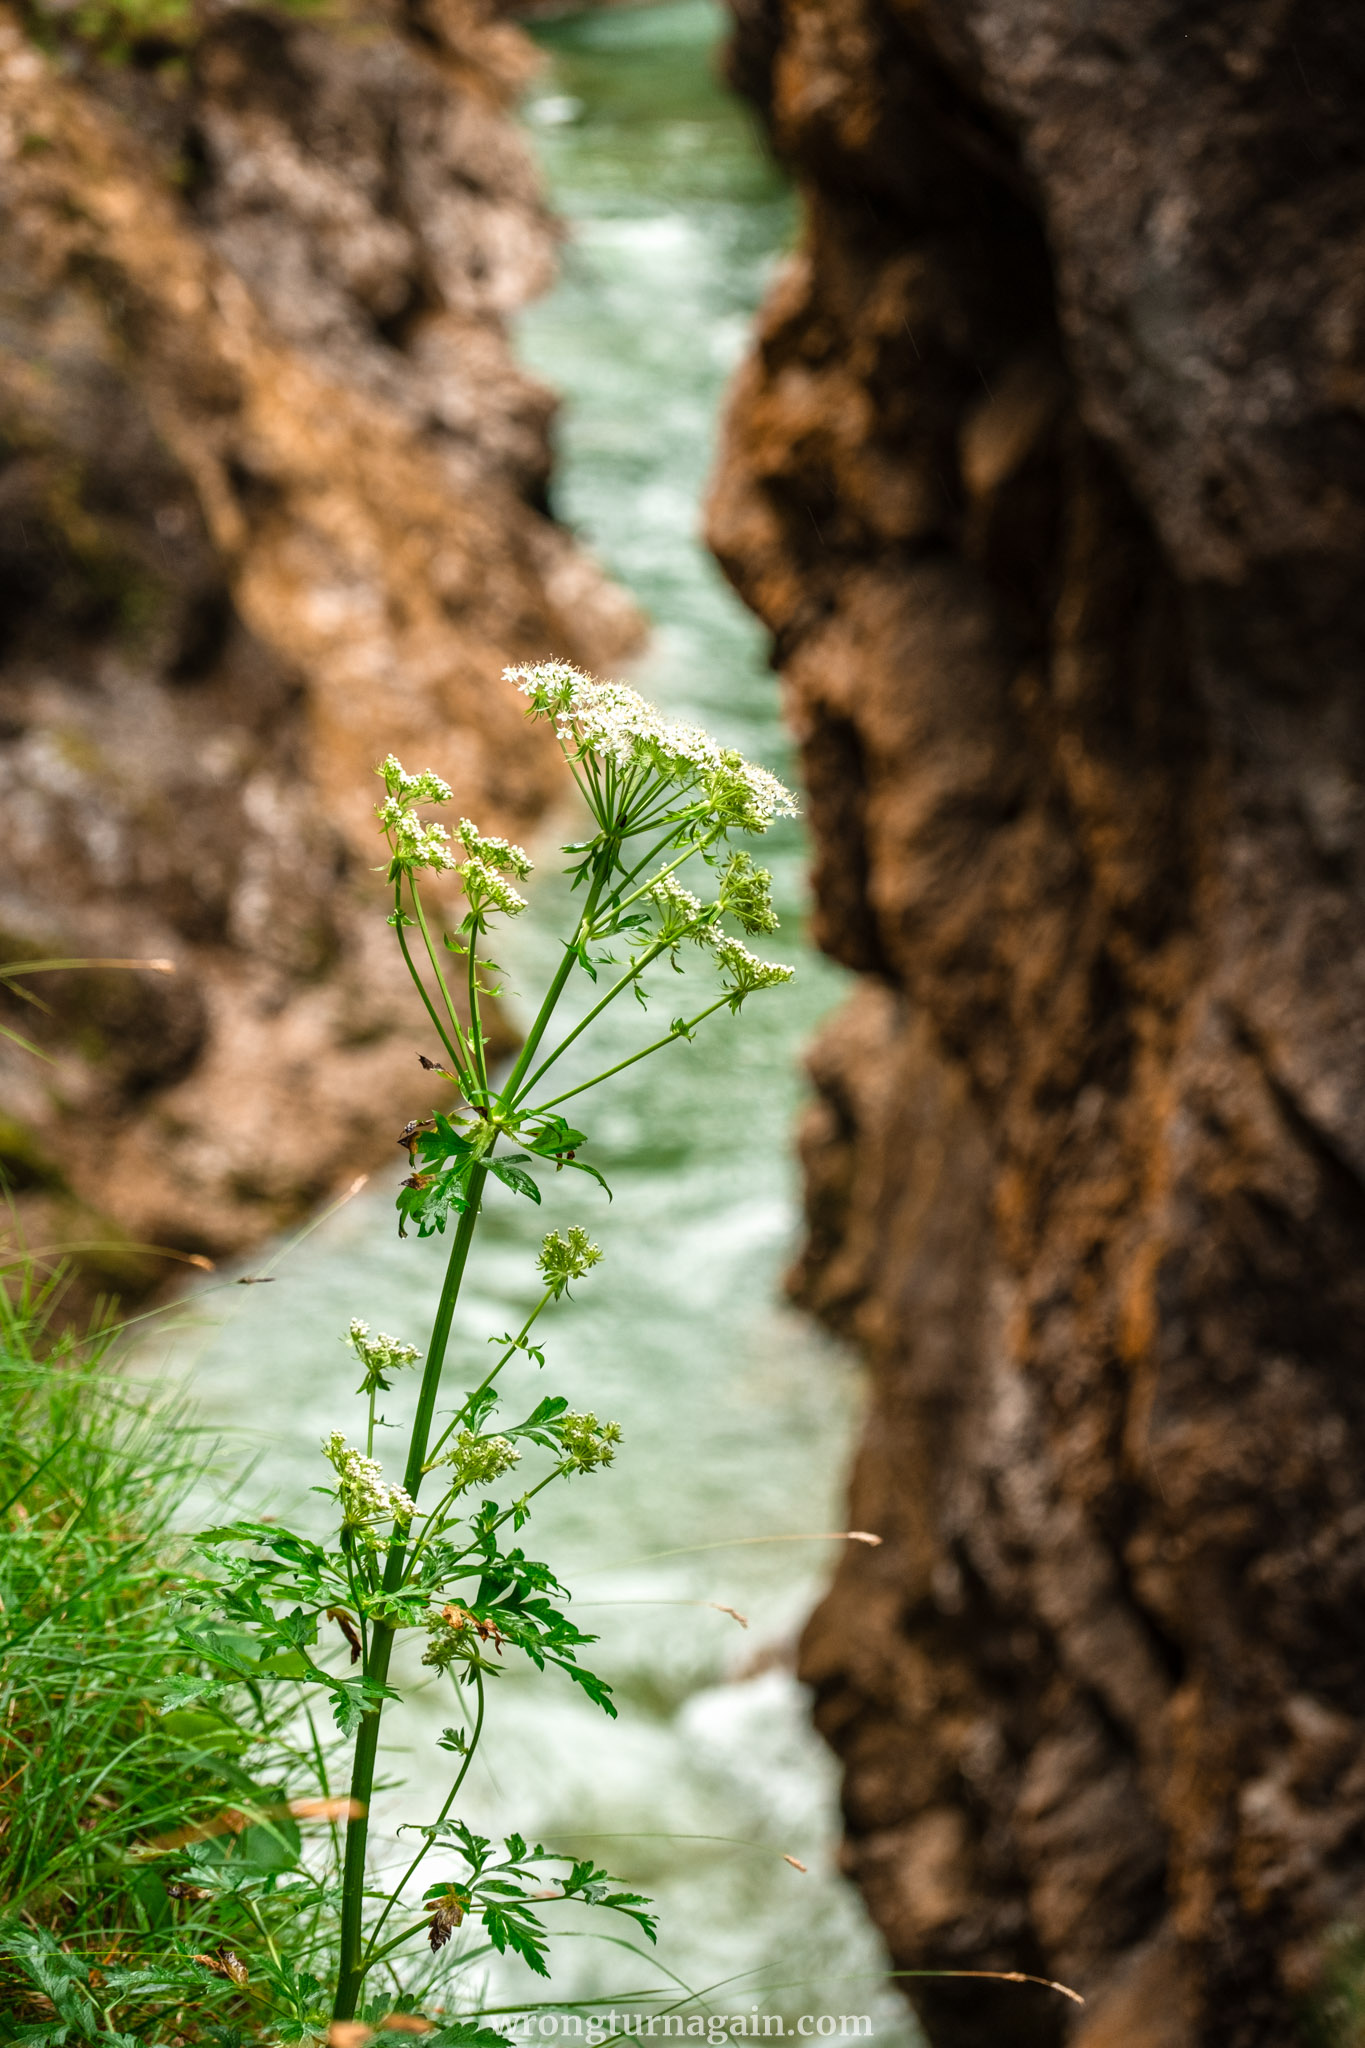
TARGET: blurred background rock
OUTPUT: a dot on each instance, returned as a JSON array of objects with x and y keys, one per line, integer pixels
[
  {"x": 272, "y": 502},
  {"x": 1047, "y": 473}
]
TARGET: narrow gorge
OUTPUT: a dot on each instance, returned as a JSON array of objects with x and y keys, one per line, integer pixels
[
  {"x": 1045, "y": 472},
  {"x": 1047, "y": 475}
]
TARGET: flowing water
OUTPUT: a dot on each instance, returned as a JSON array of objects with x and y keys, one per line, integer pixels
[{"x": 737, "y": 1416}]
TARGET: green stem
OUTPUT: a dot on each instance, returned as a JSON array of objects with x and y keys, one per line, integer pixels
[
  {"x": 659, "y": 846},
  {"x": 433, "y": 1521},
  {"x": 472, "y": 1549},
  {"x": 620, "y": 1066},
  {"x": 455, "y": 1059},
  {"x": 440, "y": 1332},
  {"x": 370, "y": 1953},
  {"x": 469, "y": 1059},
  {"x": 624, "y": 902},
  {"x": 351, "y": 1972},
  {"x": 632, "y": 974},
  {"x": 398, "y": 1940},
  {"x": 539, "y": 1487},
  {"x": 462, "y": 1412},
  {"x": 562, "y": 973},
  {"x": 475, "y": 1021}
]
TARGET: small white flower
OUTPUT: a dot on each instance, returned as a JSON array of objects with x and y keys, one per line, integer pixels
[
  {"x": 614, "y": 725},
  {"x": 364, "y": 1496},
  {"x": 485, "y": 885},
  {"x": 494, "y": 852},
  {"x": 415, "y": 844},
  {"x": 746, "y": 971},
  {"x": 680, "y": 912},
  {"x": 549, "y": 684},
  {"x": 479, "y": 1460},
  {"x": 403, "y": 788}
]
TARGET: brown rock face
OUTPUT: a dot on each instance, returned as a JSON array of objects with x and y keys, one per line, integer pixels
[
  {"x": 271, "y": 504},
  {"x": 1048, "y": 475}
]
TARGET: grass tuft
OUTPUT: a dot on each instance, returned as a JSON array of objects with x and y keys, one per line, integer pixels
[{"x": 105, "y": 1784}]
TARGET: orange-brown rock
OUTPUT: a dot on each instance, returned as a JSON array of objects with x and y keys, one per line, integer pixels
[
  {"x": 271, "y": 504},
  {"x": 1047, "y": 472}
]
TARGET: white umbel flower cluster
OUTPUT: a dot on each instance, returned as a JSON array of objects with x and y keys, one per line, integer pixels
[
  {"x": 485, "y": 869},
  {"x": 403, "y": 788},
  {"x": 745, "y": 972},
  {"x": 365, "y": 1498},
  {"x": 614, "y": 725},
  {"x": 379, "y": 1354},
  {"x": 587, "y": 1443},
  {"x": 416, "y": 844},
  {"x": 494, "y": 852},
  {"x": 487, "y": 888},
  {"x": 479, "y": 1460},
  {"x": 680, "y": 913}
]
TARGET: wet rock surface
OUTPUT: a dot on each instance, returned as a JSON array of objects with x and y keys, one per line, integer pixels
[
  {"x": 1047, "y": 474},
  {"x": 271, "y": 503}
]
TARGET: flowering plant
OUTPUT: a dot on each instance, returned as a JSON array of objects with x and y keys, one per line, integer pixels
[{"x": 431, "y": 1553}]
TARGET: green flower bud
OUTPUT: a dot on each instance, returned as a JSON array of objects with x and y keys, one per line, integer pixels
[
  {"x": 746, "y": 892},
  {"x": 563, "y": 1259},
  {"x": 586, "y": 1442}
]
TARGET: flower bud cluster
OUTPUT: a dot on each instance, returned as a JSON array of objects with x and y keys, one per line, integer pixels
[
  {"x": 563, "y": 1259},
  {"x": 448, "y": 1636},
  {"x": 746, "y": 893},
  {"x": 550, "y": 685},
  {"x": 365, "y": 1498},
  {"x": 744, "y": 798},
  {"x": 587, "y": 1443},
  {"x": 680, "y": 913},
  {"x": 415, "y": 845},
  {"x": 379, "y": 1355},
  {"x": 479, "y": 1460}
]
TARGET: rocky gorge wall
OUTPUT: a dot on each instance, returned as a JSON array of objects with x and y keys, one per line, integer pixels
[
  {"x": 272, "y": 502},
  {"x": 1047, "y": 473}
]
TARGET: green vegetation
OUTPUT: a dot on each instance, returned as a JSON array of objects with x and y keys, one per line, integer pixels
[
  {"x": 659, "y": 796},
  {"x": 160, "y": 1749},
  {"x": 124, "y": 1822}
]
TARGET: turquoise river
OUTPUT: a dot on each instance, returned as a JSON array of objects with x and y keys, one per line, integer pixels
[{"x": 737, "y": 1415}]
